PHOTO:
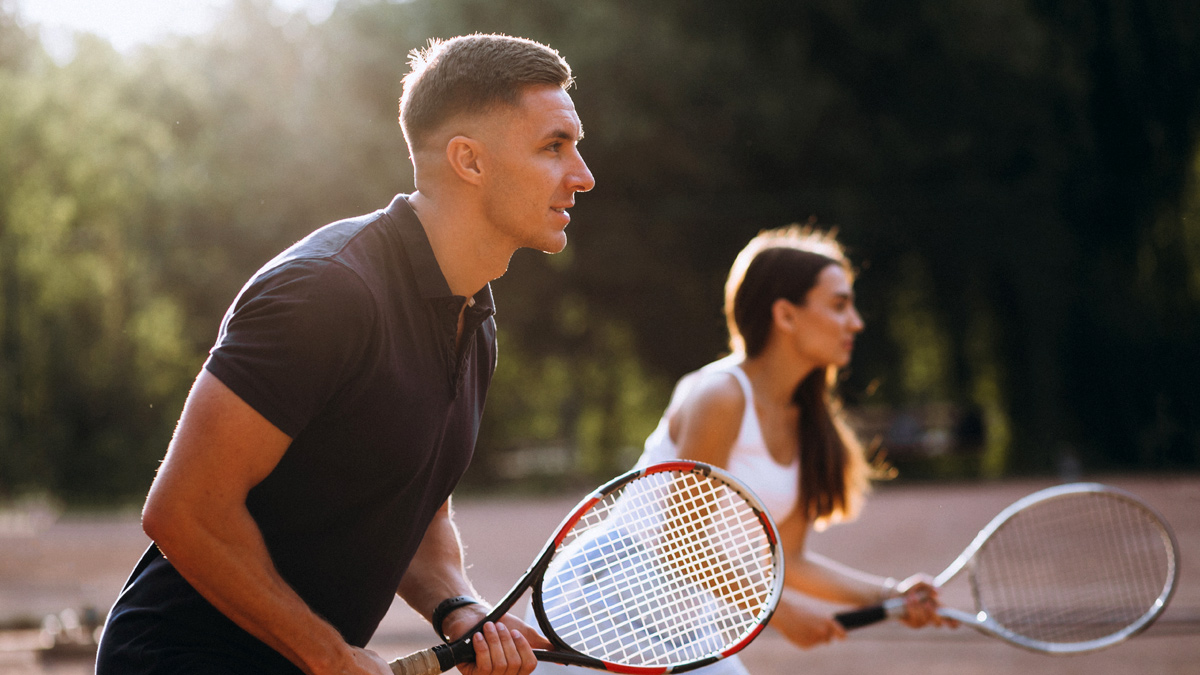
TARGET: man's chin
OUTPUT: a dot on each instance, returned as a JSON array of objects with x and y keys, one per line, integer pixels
[{"x": 554, "y": 245}]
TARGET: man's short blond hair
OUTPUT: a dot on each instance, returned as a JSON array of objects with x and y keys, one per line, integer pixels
[{"x": 472, "y": 74}]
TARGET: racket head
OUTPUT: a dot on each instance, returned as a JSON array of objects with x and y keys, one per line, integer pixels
[
  {"x": 663, "y": 569},
  {"x": 1069, "y": 569}
]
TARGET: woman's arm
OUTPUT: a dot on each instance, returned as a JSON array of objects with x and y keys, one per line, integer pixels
[
  {"x": 704, "y": 426},
  {"x": 823, "y": 578}
]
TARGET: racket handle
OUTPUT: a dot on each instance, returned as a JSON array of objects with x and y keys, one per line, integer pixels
[
  {"x": 417, "y": 663},
  {"x": 426, "y": 662},
  {"x": 870, "y": 615}
]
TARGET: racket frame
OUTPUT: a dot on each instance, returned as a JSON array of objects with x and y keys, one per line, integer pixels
[
  {"x": 567, "y": 655},
  {"x": 985, "y": 623},
  {"x": 459, "y": 651}
]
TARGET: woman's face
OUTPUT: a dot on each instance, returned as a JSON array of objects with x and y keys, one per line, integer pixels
[{"x": 826, "y": 324}]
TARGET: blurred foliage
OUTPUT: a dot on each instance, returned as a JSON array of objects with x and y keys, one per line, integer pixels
[{"x": 1017, "y": 180}]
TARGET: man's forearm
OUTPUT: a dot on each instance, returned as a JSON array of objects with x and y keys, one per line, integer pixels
[
  {"x": 436, "y": 571},
  {"x": 196, "y": 513},
  {"x": 229, "y": 566}
]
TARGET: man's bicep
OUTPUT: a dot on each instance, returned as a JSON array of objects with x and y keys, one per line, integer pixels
[
  {"x": 295, "y": 338},
  {"x": 222, "y": 447}
]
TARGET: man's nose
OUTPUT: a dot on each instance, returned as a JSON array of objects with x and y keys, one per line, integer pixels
[{"x": 582, "y": 179}]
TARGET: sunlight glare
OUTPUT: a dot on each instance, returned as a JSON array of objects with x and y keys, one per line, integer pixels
[{"x": 128, "y": 24}]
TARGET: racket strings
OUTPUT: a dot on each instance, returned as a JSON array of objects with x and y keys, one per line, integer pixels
[
  {"x": 689, "y": 558},
  {"x": 1074, "y": 569},
  {"x": 674, "y": 568}
]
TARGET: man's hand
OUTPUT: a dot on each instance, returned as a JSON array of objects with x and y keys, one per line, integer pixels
[
  {"x": 367, "y": 662},
  {"x": 501, "y": 648},
  {"x": 500, "y": 651}
]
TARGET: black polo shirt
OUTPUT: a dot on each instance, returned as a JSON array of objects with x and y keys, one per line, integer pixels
[{"x": 346, "y": 343}]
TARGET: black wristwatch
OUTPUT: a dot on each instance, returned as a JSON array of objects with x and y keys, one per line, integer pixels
[{"x": 444, "y": 608}]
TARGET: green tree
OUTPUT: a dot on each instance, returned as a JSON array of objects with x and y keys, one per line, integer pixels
[
  {"x": 94, "y": 350},
  {"x": 1017, "y": 180}
]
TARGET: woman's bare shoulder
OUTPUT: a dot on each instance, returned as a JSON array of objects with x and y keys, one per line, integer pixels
[
  {"x": 708, "y": 416},
  {"x": 713, "y": 391}
]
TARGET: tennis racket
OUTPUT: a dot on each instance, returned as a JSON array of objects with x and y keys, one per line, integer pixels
[
  {"x": 661, "y": 570},
  {"x": 1066, "y": 570}
]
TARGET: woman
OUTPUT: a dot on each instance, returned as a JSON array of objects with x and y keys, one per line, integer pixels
[{"x": 767, "y": 415}]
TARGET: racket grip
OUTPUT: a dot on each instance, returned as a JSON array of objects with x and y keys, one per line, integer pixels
[
  {"x": 870, "y": 615},
  {"x": 425, "y": 662},
  {"x": 417, "y": 663}
]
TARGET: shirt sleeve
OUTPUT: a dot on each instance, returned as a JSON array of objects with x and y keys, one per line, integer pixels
[{"x": 293, "y": 338}]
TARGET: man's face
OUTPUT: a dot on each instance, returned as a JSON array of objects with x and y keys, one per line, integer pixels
[{"x": 533, "y": 170}]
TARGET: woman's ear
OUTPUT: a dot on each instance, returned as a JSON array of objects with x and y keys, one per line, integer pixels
[
  {"x": 464, "y": 154},
  {"x": 783, "y": 315}
]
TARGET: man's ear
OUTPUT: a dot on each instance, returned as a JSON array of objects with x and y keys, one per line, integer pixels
[{"x": 464, "y": 154}]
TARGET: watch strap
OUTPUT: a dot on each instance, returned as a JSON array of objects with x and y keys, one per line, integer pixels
[{"x": 443, "y": 610}]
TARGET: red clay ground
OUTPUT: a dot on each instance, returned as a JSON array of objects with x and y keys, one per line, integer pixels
[{"x": 77, "y": 562}]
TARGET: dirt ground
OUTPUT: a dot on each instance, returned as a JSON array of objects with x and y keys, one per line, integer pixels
[{"x": 47, "y": 566}]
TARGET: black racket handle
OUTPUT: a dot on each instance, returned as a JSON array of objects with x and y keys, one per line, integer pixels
[
  {"x": 871, "y": 615},
  {"x": 861, "y": 617},
  {"x": 433, "y": 661}
]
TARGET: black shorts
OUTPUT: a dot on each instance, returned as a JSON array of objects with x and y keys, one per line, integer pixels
[{"x": 161, "y": 626}]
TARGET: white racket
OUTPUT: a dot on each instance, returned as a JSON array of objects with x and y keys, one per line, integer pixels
[{"x": 1066, "y": 570}]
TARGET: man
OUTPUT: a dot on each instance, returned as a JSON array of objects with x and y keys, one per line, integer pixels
[{"x": 310, "y": 474}]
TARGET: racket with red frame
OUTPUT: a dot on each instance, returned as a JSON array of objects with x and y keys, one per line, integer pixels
[{"x": 661, "y": 570}]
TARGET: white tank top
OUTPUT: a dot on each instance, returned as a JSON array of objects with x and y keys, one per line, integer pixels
[{"x": 776, "y": 485}]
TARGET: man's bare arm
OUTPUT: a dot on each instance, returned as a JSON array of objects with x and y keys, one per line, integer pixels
[
  {"x": 437, "y": 573},
  {"x": 196, "y": 513}
]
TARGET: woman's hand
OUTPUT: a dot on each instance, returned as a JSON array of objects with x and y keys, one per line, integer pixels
[
  {"x": 921, "y": 602},
  {"x": 805, "y": 628}
]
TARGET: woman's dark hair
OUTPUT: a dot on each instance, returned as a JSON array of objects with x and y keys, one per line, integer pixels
[{"x": 785, "y": 263}]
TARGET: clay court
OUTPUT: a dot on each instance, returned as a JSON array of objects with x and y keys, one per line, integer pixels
[{"x": 73, "y": 562}]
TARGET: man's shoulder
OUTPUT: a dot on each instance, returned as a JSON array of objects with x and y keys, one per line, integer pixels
[
  {"x": 369, "y": 259},
  {"x": 329, "y": 241},
  {"x": 307, "y": 276},
  {"x": 350, "y": 251}
]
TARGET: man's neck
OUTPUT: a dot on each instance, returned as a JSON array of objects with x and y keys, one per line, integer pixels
[{"x": 468, "y": 258}]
